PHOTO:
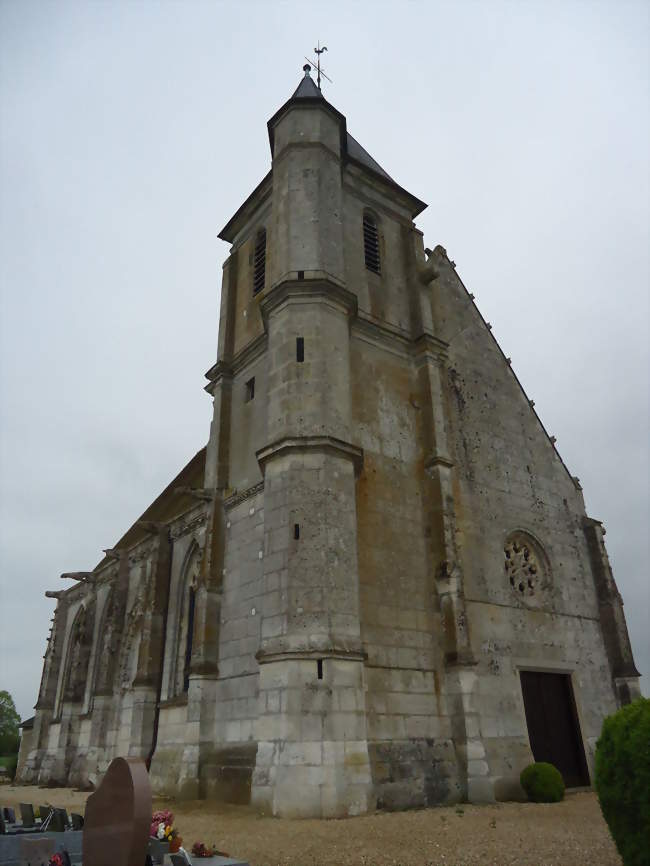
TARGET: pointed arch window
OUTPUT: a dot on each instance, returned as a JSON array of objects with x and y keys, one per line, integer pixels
[
  {"x": 189, "y": 638},
  {"x": 186, "y": 601},
  {"x": 371, "y": 243},
  {"x": 78, "y": 653},
  {"x": 259, "y": 261}
]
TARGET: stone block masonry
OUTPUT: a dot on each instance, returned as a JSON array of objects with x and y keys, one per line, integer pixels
[{"x": 335, "y": 605}]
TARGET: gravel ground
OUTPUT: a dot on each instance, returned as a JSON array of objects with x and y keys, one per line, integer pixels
[{"x": 571, "y": 833}]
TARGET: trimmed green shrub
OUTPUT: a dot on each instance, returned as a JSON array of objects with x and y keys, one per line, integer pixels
[
  {"x": 542, "y": 782},
  {"x": 622, "y": 779}
]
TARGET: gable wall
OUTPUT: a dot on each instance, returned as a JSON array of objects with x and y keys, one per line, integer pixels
[{"x": 509, "y": 477}]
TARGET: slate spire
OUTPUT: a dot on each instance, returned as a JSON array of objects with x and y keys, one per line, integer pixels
[{"x": 307, "y": 88}]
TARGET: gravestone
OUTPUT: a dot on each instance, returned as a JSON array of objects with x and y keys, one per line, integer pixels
[
  {"x": 77, "y": 821},
  {"x": 27, "y": 814},
  {"x": 10, "y": 850},
  {"x": 58, "y": 821},
  {"x": 35, "y": 852},
  {"x": 118, "y": 816}
]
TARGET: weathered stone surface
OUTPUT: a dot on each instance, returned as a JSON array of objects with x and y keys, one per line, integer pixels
[{"x": 331, "y": 606}]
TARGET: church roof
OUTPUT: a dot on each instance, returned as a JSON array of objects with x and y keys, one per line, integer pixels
[
  {"x": 307, "y": 89},
  {"x": 168, "y": 505},
  {"x": 361, "y": 155},
  {"x": 308, "y": 93}
]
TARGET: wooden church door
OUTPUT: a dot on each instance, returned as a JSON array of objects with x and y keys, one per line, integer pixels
[{"x": 553, "y": 726}]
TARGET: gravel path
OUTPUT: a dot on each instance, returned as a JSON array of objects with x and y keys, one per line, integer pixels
[{"x": 571, "y": 833}]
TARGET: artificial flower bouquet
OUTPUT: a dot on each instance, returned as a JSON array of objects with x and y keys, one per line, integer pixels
[
  {"x": 199, "y": 849},
  {"x": 162, "y": 828}
]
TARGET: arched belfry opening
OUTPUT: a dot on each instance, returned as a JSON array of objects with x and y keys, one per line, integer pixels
[
  {"x": 371, "y": 243},
  {"x": 259, "y": 262}
]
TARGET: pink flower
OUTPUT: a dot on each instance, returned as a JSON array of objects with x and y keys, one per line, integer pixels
[{"x": 163, "y": 816}]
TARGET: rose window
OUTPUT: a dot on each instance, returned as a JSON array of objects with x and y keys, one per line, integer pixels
[{"x": 521, "y": 567}]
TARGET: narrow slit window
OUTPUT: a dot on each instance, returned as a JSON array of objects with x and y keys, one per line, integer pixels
[
  {"x": 296, "y": 531},
  {"x": 371, "y": 244},
  {"x": 300, "y": 349},
  {"x": 259, "y": 262},
  {"x": 319, "y": 668},
  {"x": 250, "y": 390}
]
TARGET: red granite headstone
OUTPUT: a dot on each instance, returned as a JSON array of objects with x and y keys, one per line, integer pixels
[{"x": 118, "y": 816}]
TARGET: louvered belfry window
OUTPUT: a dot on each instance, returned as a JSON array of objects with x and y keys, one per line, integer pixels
[
  {"x": 371, "y": 244},
  {"x": 259, "y": 262}
]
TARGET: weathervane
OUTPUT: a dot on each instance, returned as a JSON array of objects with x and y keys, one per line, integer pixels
[{"x": 319, "y": 71}]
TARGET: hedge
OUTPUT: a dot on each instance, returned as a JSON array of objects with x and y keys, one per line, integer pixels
[{"x": 622, "y": 779}]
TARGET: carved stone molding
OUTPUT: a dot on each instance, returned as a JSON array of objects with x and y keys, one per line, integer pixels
[
  {"x": 266, "y": 656},
  {"x": 242, "y": 495},
  {"x": 140, "y": 553},
  {"x": 188, "y": 524},
  {"x": 325, "y": 290},
  {"x": 434, "y": 460},
  {"x": 427, "y": 347}
]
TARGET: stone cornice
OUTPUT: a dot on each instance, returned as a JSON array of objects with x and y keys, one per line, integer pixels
[
  {"x": 222, "y": 372},
  {"x": 427, "y": 346},
  {"x": 267, "y": 656},
  {"x": 251, "y": 352},
  {"x": 381, "y": 334},
  {"x": 176, "y": 701},
  {"x": 303, "y": 444},
  {"x": 435, "y": 460},
  {"x": 217, "y": 373},
  {"x": 372, "y": 193},
  {"x": 188, "y": 523},
  {"x": 305, "y": 145},
  {"x": 322, "y": 289},
  {"x": 234, "y": 225}
]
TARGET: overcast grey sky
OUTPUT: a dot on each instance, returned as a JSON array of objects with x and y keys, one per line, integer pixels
[{"x": 131, "y": 132}]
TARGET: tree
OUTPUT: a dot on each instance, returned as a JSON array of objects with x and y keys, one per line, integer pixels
[{"x": 9, "y": 721}]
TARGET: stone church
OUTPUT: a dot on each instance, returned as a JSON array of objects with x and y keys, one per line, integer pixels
[{"x": 376, "y": 586}]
